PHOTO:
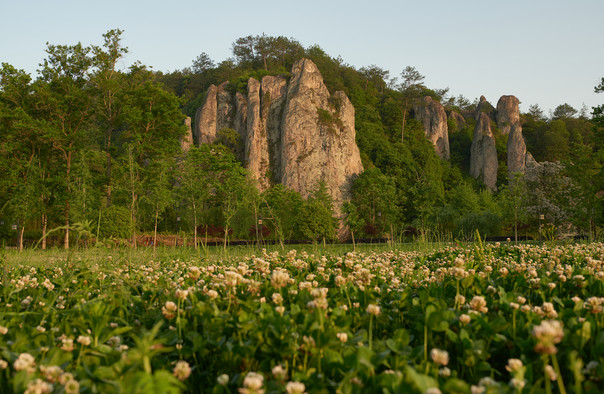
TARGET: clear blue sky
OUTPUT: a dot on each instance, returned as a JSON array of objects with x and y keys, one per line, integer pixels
[{"x": 545, "y": 52}]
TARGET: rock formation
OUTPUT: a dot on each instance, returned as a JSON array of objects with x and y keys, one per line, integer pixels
[
  {"x": 295, "y": 133},
  {"x": 187, "y": 140},
  {"x": 484, "y": 107},
  {"x": 434, "y": 118},
  {"x": 458, "y": 118},
  {"x": 508, "y": 121},
  {"x": 483, "y": 159},
  {"x": 508, "y": 113}
]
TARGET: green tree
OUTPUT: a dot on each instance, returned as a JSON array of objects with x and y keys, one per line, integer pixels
[
  {"x": 65, "y": 102},
  {"x": 513, "y": 200},
  {"x": 109, "y": 84},
  {"x": 411, "y": 87},
  {"x": 158, "y": 190},
  {"x": 374, "y": 196},
  {"x": 316, "y": 215}
]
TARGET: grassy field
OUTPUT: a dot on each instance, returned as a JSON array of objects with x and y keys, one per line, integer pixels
[{"x": 473, "y": 318}]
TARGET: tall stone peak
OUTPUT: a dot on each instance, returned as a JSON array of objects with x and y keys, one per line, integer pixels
[
  {"x": 483, "y": 159},
  {"x": 484, "y": 107},
  {"x": 186, "y": 140},
  {"x": 294, "y": 132},
  {"x": 508, "y": 113},
  {"x": 434, "y": 119},
  {"x": 460, "y": 121}
]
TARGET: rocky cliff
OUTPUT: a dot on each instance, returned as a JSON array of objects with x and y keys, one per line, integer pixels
[
  {"x": 294, "y": 132},
  {"x": 187, "y": 140},
  {"x": 434, "y": 119},
  {"x": 508, "y": 121},
  {"x": 483, "y": 156}
]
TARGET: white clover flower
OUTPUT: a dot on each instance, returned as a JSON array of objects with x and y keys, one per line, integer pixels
[
  {"x": 223, "y": 379},
  {"x": 38, "y": 386},
  {"x": 548, "y": 334},
  {"x": 295, "y": 388},
  {"x": 25, "y": 362},
  {"x": 440, "y": 356},
  {"x": 84, "y": 340},
  {"x": 514, "y": 365},
  {"x": 279, "y": 373},
  {"x": 182, "y": 370},
  {"x": 373, "y": 309},
  {"x": 342, "y": 336}
]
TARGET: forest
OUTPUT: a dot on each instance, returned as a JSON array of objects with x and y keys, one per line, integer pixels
[{"x": 94, "y": 152}]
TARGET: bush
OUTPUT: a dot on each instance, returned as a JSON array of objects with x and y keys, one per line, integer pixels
[{"x": 115, "y": 222}]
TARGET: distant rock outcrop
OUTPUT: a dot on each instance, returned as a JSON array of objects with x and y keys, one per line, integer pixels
[
  {"x": 508, "y": 121},
  {"x": 294, "y": 133},
  {"x": 434, "y": 119},
  {"x": 187, "y": 140},
  {"x": 484, "y": 107},
  {"x": 483, "y": 159},
  {"x": 508, "y": 113},
  {"x": 460, "y": 121}
]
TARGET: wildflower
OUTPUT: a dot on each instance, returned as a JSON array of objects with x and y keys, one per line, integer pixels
[
  {"x": 478, "y": 304},
  {"x": 295, "y": 388},
  {"x": 169, "y": 310},
  {"x": 72, "y": 386},
  {"x": 279, "y": 278},
  {"x": 38, "y": 386},
  {"x": 25, "y": 362},
  {"x": 433, "y": 390},
  {"x": 213, "y": 294},
  {"x": 279, "y": 373},
  {"x": 460, "y": 300},
  {"x": 51, "y": 373},
  {"x": 181, "y": 294},
  {"x": 3, "y": 330},
  {"x": 252, "y": 384},
  {"x": 440, "y": 356},
  {"x": 548, "y": 333},
  {"x": 444, "y": 372},
  {"x": 514, "y": 365},
  {"x": 551, "y": 374},
  {"x": 465, "y": 319},
  {"x": 277, "y": 298},
  {"x": 223, "y": 379},
  {"x": 182, "y": 370},
  {"x": 85, "y": 340},
  {"x": 67, "y": 344},
  {"x": 517, "y": 383},
  {"x": 342, "y": 336},
  {"x": 373, "y": 309},
  {"x": 280, "y": 309}
]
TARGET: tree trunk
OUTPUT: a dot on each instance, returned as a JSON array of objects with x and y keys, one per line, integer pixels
[
  {"x": 354, "y": 246},
  {"x": 195, "y": 224},
  {"x": 67, "y": 205},
  {"x": 44, "y": 223},
  {"x": 155, "y": 232},
  {"x": 21, "y": 231}
]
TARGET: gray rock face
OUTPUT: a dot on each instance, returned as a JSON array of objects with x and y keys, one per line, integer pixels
[
  {"x": 508, "y": 113},
  {"x": 459, "y": 120},
  {"x": 434, "y": 118},
  {"x": 508, "y": 121},
  {"x": 205, "y": 118},
  {"x": 187, "y": 140},
  {"x": 294, "y": 133},
  {"x": 483, "y": 159},
  {"x": 317, "y": 138},
  {"x": 484, "y": 107}
]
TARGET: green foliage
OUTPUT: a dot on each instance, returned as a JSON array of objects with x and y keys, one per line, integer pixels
[{"x": 115, "y": 222}]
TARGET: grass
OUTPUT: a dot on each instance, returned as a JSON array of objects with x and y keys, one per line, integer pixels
[{"x": 37, "y": 257}]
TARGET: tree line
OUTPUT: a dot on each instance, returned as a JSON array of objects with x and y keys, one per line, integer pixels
[{"x": 92, "y": 149}]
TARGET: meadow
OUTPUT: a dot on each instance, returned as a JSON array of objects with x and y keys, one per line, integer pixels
[{"x": 474, "y": 318}]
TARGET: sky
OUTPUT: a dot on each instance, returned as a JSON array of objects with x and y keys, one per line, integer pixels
[{"x": 545, "y": 52}]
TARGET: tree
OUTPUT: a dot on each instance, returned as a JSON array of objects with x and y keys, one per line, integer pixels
[
  {"x": 158, "y": 193},
  {"x": 196, "y": 180},
  {"x": 108, "y": 82},
  {"x": 65, "y": 95},
  {"x": 316, "y": 215},
  {"x": 202, "y": 63},
  {"x": 411, "y": 87},
  {"x": 374, "y": 197},
  {"x": 564, "y": 111},
  {"x": 513, "y": 197},
  {"x": 353, "y": 220}
]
